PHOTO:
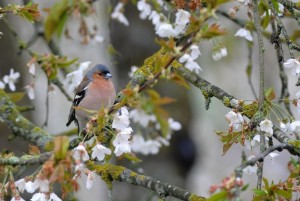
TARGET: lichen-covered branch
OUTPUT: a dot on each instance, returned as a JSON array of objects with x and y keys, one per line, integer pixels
[
  {"x": 289, "y": 4},
  {"x": 21, "y": 126},
  {"x": 109, "y": 173},
  {"x": 26, "y": 159},
  {"x": 207, "y": 88}
]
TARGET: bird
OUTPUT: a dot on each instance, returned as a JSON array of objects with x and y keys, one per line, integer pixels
[{"x": 95, "y": 91}]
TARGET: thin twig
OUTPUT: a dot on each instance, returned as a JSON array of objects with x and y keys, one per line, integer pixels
[{"x": 261, "y": 96}]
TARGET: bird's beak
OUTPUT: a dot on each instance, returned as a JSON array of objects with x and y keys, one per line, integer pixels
[{"x": 108, "y": 75}]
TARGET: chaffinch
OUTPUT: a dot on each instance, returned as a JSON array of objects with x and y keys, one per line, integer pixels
[{"x": 96, "y": 90}]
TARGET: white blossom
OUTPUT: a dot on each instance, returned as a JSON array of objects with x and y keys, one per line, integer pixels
[
  {"x": 141, "y": 117},
  {"x": 217, "y": 55},
  {"x": 286, "y": 128},
  {"x": 99, "y": 152},
  {"x": 90, "y": 179},
  {"x": 118, "y": 15},
  {"x": 256, "y": 140},
  {"x": 182, "y": 18},
  {"x": 11, "y": 79},
  {"x": 266, "y": 126},
  {"x": 30, "y": 91},
  {"x": 121, "y": 121},
  {"x": 165, "y": 30},
  {"x": 54, "y": 197},
  {"x": 174, "y": 125},
  {"x": 139, "y": 145},
  {"x": 39, "y": 197},
  {"x": 190, "y": 63},
  {"x": 80, "y": 153},
  {"x": 234, "y": 119},
  {"x": 144, "y": 8},
  {"x": 31, "y": 68},
  {"x": 244, "y": 33},
  {"x": 21, "y": 184},
  {"x": 121, "y": 142},
  {"x": 295, "y": 126},
  {"x": 74, "y": 78},
  {"x": 30, "y": 186},
  {"x": 195, "y": 51},
  {"x": 157, "y": 19},
  {"x": 294, "y": 65}
]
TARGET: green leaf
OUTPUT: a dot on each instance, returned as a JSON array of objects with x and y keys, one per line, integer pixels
[
  {"x": 56, "y": 18},
  {"x": 287, "y": 194},
  {"x": 218, "y": 196},
  {"x": 266, "y": 182},
  {"x": 260, "y": 192},
  {"x": 245, "y": 187}
]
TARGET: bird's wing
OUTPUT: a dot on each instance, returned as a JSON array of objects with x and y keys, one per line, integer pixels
[{"x": 80, "y": 93}]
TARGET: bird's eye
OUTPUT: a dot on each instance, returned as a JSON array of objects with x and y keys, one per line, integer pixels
[{"x": 100, "y": 74}]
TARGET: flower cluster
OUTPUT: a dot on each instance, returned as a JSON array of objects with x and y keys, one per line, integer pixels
[
  {"x": 294, "y": 65},
  {"x": 10, "y": 79},
  {"x": 244, "y": 33},
  {"x": 219, "y": 53},
  {"x": 40, "y": 183},
  {"x": 189, "y": 59},
  {"x": 118, "y": 14}
]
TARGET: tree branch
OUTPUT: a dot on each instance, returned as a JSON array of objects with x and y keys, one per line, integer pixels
[
  {"x": 26, "y": 159},
  {"x": 109, "y": 173},
  {"x": 21, "y": 126}
]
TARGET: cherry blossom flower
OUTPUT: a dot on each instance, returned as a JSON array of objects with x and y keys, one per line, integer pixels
[
  {"x": 140, "y": 145},
  {"x": 244, "y": 33},
  {"x": 174, "y": 125},
  {"x": 141, "y": 117},
  {"x": 74, "y": 78},
  {"x": 217, "y": 55},
  {"x": 30, "y": 91},
  {"x": 21, "y": 184},
  {"x": 11, "y": 79},
  {"x": 44, "y": 197},
  {"x": 118, "y": 15},
  {"x": 256, "y": 140},
  {"x": 99, "y": 152},
  {"x": 31, "y": 68},
  {"x": 190, "y": 63},
  {"x": 294, "y": 65},
  {"x": 165, "y": 30},
  {"x": 157, "y": 19},
  {"x": 144, "y": 8},
  {"x": 286, "y": 128},
  {"x": 90, "y": 179},
  {"x": 266, "y": 126},
  {"x": 182, "y": 19},
  {"x": 80, "y": 153},
  {"x": 195, "y": 51},
  {"x": 235, "y": 119},
  {"x": 122, "y": 143},
  {"x": 121, "y": 121},
  {"x": 17, "y": 198},
  {"x": 30, "y": 186}
]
